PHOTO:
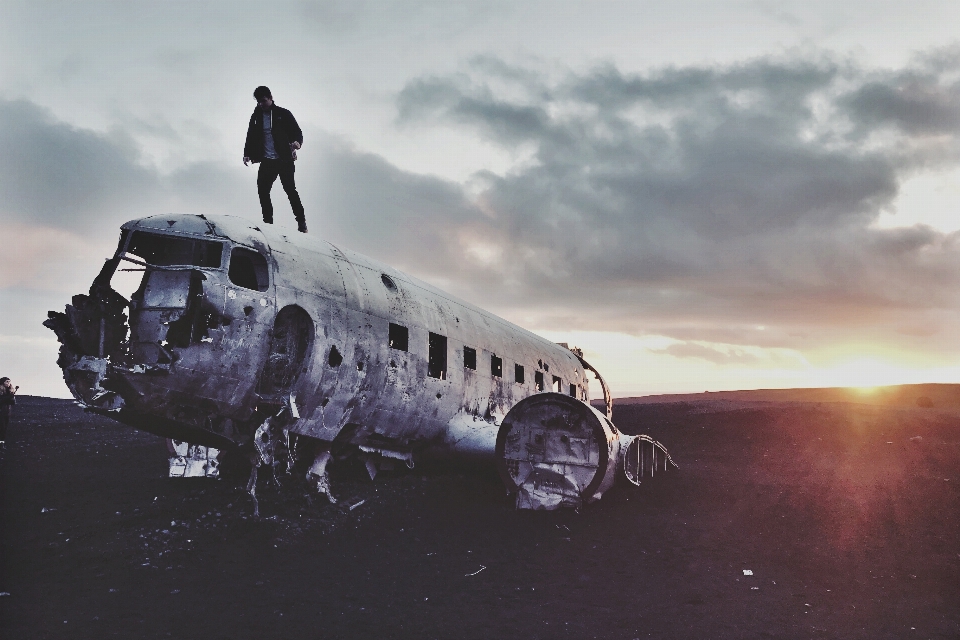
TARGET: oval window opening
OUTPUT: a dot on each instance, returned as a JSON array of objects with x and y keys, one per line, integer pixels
[{"x": 388, "y": 282}]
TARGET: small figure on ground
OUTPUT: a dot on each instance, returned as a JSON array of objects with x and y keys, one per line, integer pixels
[
  {"x": 273, "y": 138},
  {"x": 8, "y": 398}
]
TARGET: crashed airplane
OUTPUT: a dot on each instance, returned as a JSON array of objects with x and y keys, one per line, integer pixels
[{"x": 252, "y": 341}]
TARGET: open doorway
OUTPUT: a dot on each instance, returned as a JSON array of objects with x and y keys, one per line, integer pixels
[{"x": 292, "y": 340}]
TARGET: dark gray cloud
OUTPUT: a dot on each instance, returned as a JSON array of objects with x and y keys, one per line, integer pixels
[
  {"x": 375, "y": 208},
  {"x": 922, "y": 100},
  {"x": 60, "y": 176},
  {"x": 742, "y": 194},
  {"x": 914, "y": 103},
  {"x": 88, "y": 182}
]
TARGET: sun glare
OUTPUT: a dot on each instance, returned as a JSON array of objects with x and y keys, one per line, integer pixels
[
  {"x": 864, "y": 391},
  {"x": 643, "y": 365},
  {"x": 866, "y": 374}
]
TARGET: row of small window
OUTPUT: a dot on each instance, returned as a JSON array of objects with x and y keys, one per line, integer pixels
[{"x": 437, "y": 360}]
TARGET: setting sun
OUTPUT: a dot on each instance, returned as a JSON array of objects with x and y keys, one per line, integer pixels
[{"x": 865, "y": 374}]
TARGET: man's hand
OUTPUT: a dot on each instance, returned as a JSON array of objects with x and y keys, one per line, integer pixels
[
  {"x": 294, "y": 145},
  {"x": 246, "y": 160}
]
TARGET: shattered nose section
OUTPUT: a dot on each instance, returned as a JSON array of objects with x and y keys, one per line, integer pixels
[
  {"x": 91, "y": 331},
  {"x": 556, "y": 451},
  {"x": 107, "y": 372}
]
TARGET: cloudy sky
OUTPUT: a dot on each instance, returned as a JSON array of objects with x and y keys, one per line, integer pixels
[{"x": 702, "y": 195}]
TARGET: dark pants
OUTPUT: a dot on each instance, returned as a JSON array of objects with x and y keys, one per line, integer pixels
[
  {"x": 269, "y": 170},
  {"x": 4, "y": 421}
]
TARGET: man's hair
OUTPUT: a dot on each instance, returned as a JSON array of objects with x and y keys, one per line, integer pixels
[
  {"x": 261, "y": 92},
  {"x": 4, "y": 379}
]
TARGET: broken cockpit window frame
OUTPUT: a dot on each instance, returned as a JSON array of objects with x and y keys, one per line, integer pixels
[
  {"x": 496, "y": 366},
  {"x": 124, "y": 234},
  {"x": 248, "y": 269},
  {"x": 167, "y": 250},
  {"x": 538, "y": 380},
  {"x": 168, "y": 310}
]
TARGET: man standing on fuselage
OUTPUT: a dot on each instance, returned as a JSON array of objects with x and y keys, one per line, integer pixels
[{"x": 273, "y": 138}]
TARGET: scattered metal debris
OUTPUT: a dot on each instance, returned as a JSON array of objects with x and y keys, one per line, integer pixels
[
  {"x": 193, "y": 460},
  {"x": 475, "y": 572}
]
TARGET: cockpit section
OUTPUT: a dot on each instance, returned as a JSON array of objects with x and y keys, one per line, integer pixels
[
  {"x": 184, "y": 298},
  {"x": 169, "y": 309}
]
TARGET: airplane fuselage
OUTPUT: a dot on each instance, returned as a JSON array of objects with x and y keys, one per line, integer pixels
[{"x": 233, "y": 323}]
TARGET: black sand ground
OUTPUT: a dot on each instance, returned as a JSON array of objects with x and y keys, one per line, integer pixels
[{"x": 851, "y": 530}]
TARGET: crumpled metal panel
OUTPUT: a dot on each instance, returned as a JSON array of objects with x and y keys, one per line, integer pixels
[
  {"x": 166, "y": 290},
  {"x": 193, "y": 460}
]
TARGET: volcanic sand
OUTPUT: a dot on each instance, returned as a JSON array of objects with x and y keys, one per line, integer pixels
[{"x": 845, "y": 506}]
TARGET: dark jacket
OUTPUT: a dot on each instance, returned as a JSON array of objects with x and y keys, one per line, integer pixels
[
  {"x": 6, "y": 400},
  {"x": 285, "y": 131}
]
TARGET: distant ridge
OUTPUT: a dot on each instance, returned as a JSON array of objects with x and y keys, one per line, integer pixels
[{"x": 942, "y": 396}]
